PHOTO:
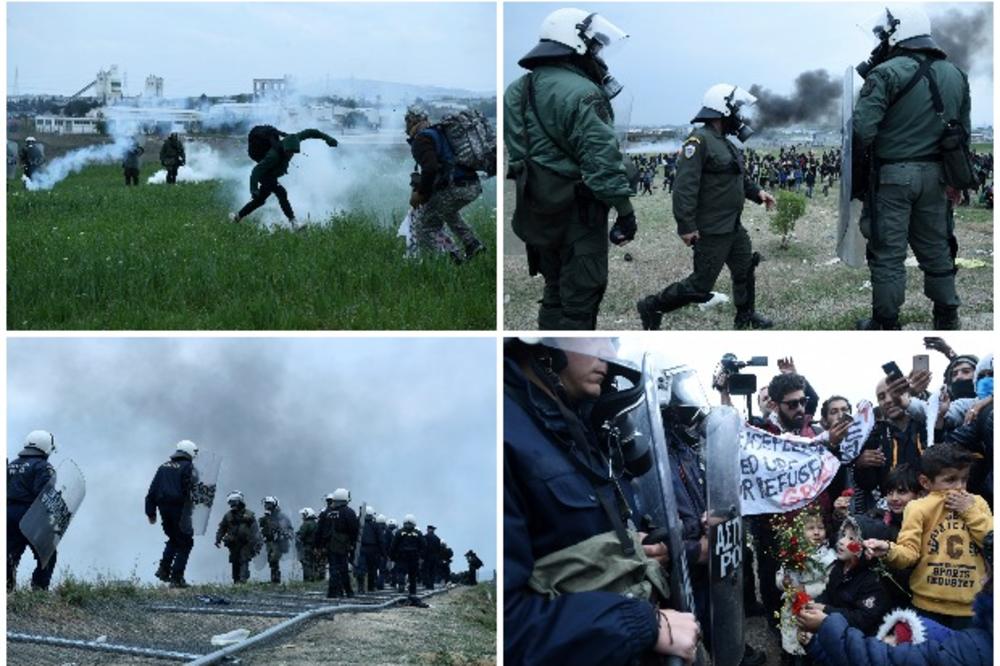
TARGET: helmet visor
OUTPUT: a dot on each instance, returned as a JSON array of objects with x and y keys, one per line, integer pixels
[
  {"x": 604, "y": 349},
  {"x": 879, "y": 25},
  {"x": 603, "y": 36}
]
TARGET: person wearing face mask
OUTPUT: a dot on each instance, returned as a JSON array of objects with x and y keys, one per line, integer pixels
[
  {"x": 580, "y": 586},
  {"x": 568, "y": 167},
  {"x": 709, "y": 190},
  {"x": 975, "y": 435},
  {"x": 913, "y": 104}
]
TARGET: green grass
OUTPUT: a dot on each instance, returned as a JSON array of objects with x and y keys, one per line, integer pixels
[{"x": 93, "y": 255}]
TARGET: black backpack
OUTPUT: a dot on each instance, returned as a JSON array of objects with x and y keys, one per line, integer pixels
[{"x": 261, "y": 139}]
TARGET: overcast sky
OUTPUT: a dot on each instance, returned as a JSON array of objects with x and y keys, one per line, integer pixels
[
  {"x": 219, "y": 48},
  {"x": 676, "y": 51},
  {"x": 408, "y": 425},
  {"x": 834, "y": 363}
]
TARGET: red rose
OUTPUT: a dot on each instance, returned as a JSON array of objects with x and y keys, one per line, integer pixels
[
  {"x": 848, "y": 493},
  {"x": 794, "y": 541},
  {"x": 854, "y": 547},
  {"x": 783, "y": 553},
  {"x": 800, "y": 601}
]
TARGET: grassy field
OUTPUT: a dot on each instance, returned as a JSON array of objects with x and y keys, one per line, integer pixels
[
  {"x": 93, "y": 255},
  {"x": 801, "y": 287}
]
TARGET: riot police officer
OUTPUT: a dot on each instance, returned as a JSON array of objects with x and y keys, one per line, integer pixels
[
  {"x": 170, "y": 494},
  {"x": 567, "y": 506},
  {"x": 432, "y": 557},
  {"x": 275, "y": 529},
  {"x": 27, "y": 477},
  {"x": 408, "y": 546},
  {"x": 708, "y": 196},
  {"x": 896, "y": 117},
  {"x": 367, "y": 570},
  {"x": 309, "y": 555},
  {"x": 238, "y": 531},
  {"x": 338, "y": 533},
  {"x": 569, "y": 168}
]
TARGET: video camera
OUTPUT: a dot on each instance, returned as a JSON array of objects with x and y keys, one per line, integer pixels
[{"x": 741, "y": 384}]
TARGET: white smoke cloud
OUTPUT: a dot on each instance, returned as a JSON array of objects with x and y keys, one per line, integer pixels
[
  {"x": 72, "y": 162},
  {"x": 203, "y": 163}
]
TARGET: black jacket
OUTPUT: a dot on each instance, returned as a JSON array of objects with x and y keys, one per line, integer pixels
[
  {"x": 27, "y": 476},
  {"x": 858, "y": 595},
  {"x": 171, "y": 485}
]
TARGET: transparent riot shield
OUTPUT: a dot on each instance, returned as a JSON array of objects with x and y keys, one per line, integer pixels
[
  {"x": 48, "y": 517},
  {"x": 654, "y": 491},
  {"x": 725, "y": 533},
  {"x": 206, "y": 467},
  {"x": 287, "y": 540},
  {"x": 850, "y": 243},
  {"x": 356, "y": 560}
]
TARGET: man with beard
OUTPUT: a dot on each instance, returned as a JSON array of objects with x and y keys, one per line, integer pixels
[{"x": 569, "y": 169}]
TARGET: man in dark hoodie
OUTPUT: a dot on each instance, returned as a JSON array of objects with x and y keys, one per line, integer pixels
[
  {"x": 27, "y": 477},
  {"x": 274, "y": 165},
  {"x": 170, "y": 494}
]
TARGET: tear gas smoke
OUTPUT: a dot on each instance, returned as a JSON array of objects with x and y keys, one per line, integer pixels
[
  {"x": 813, "y": 100},
  {"x": 203, "y": 163},
  {"x": 72, "y": 162},
  {"x": 967, "y": 38}
]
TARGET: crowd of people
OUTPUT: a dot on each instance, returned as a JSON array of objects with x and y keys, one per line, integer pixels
[
  {"x": 336, "y": 538},
  {"x": 893, "y": 548}
]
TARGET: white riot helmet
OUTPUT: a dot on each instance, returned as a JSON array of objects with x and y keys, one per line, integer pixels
[
  {"x": 30, "y": 139},
  {"x": 272, "y": 500},
  {"x": 370, "y": 511},
  {"x": 235, "y": 497},
  {"x": 42, "y": 440},
  {"x": 724, "y": 100},
  {"x": 307, "y": 512},
  {"x": 905, "y": 26},
  {"x": 188, "y": 447},
  {"x": 570, "y": 31},
  {"x": 410, "y": 519},
  {"x": 341, "y": 495},
  {"x": 380, "y": 519},
  {"x": 391, "y": 523}
]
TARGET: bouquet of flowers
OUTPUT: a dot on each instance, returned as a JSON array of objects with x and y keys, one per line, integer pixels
[{"x": 792, "y": 548}]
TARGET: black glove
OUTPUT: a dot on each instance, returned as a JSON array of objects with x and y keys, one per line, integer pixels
[
  {"x": 624, "y": 229},
  {"x": 332, "y": 143}
]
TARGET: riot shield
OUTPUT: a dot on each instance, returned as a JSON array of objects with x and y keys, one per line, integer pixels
[
  {"x": 725, "y": 534},
  {"x": 287, "y": 537},
  {"x": 206, "y": 467},
  {"x": 654, "y": 492},
  {"x": 850, "y": 243},
  {"x": 48, "y": 517},
  {"x": 355, "y": 563}
]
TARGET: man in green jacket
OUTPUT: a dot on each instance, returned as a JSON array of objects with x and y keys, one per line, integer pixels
[
  {"x": 906, "y": 203},
  {"x": 558, "y": 121},
  {"x": 709, "y": 190},
  {"x": 274, "y": 164},
  {"x": 172, "y": 157}
]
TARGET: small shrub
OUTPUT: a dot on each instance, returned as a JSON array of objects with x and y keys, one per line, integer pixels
[{"x": 791, "y": 206}]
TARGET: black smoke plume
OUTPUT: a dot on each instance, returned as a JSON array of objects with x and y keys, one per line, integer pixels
[
  {"x": 967, "y": 38},
  {"x": 814, "y": 100}
]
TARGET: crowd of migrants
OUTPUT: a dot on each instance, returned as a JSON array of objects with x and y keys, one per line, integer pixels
[
  {"x": 798, "y": 169},
  {"x": 896, "y": 549},
  {"x": 380, "y": 552}
]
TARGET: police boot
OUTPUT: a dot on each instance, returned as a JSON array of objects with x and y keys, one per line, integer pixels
[
  {"x": 946, "y": 318},
  {"x": 163, "y": 572},
  {"x": 747, "y": 318},
  {"x": 178, "y": 582},
  {"x": 649, "y": 314},
  {"x": 472, "y": 249},
  {"x": 877, "y": 324},
  {"x": 275, "y": 576}
]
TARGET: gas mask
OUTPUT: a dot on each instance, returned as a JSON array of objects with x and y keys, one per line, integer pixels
[
  {"x": 883, "y": 29},
  {"x": 735, "y": 123},
  {"x": 598, "y": 34},
  {"x": 622, "y": 394}
]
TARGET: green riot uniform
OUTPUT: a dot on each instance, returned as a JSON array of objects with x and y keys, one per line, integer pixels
[
  {"x": 709, "y": 191},
  {"x": 571, "y": 142},
  {"x": 276, "y": 532},
  {"x": 311, "y": 558},
  {"x": 238, "y": 532},
  {"x": 172, "y": 157},
  {"x": 907, "y": 191}
]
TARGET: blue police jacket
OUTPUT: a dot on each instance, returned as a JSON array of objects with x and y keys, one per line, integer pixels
[{"x": 548, "y": 505}]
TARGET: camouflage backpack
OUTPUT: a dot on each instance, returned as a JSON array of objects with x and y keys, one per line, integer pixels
[{"x": 472, "y": 139}]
